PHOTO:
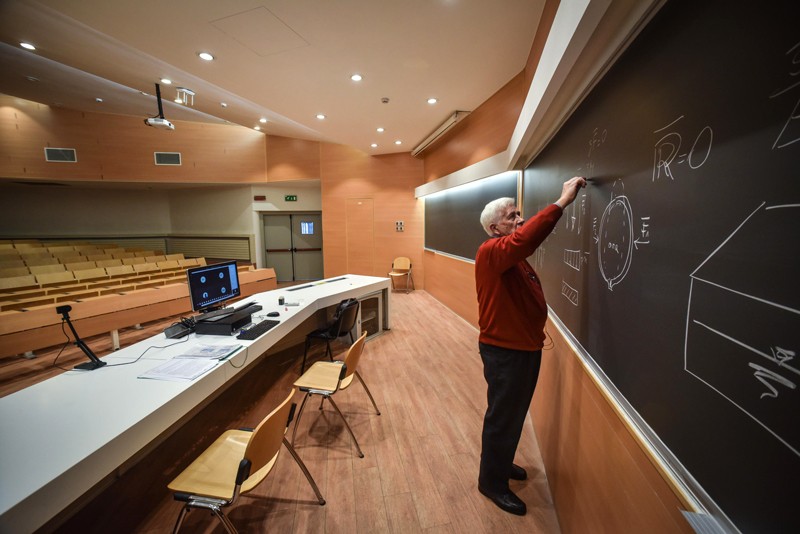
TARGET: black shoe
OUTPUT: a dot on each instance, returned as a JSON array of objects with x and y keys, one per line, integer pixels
[
  {"x": 517, "y": 473},
  {"x": 507, "y": 502}
]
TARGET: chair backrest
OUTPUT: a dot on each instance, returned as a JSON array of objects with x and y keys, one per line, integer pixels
[
  {"x": 401, "y": 263},
  {"x": 265, "y": 443},
  {"x": 345, "y": 317},
  {"x": 352, "y": 358}
]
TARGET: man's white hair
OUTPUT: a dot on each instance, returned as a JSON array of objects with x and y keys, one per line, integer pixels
[{"x": 494, "y": 211}]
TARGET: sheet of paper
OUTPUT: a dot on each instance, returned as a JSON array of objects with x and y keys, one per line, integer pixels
[
  {"x": 180, "y": 369},
  {"x": 210, "y": 352}
]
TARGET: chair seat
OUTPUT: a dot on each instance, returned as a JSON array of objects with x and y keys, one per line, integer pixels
[
  {"x": 322, "y": 377},
  {"x": 213, "y": 473}
]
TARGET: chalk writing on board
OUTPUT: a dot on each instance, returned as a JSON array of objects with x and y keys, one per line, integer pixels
[
  {"x": 569, "y": 292},
  {"x": 790, "y": 133},
  {"x": 668, "y": 154},
  {"x": 597, "y": 139},
  {"x": 737, "y": 340},
  {"x": 538, "y": 257}
]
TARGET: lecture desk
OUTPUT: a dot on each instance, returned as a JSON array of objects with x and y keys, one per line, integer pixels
[{"x": 62, "y": 437}]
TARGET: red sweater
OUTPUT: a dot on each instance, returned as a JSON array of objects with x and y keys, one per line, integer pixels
[{"x": 511, "y": 306}]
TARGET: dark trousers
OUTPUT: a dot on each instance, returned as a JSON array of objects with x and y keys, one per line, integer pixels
[{"x": 511, "y": 377}]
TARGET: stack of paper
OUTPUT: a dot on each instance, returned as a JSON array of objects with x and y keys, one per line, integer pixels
[{"x": 195, "y": 362}]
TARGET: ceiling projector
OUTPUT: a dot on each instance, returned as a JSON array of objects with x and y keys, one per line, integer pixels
[{"x": 160, "y": 123}]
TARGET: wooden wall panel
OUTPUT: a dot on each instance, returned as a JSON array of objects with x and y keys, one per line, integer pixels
[
  {"x": 600, "y": 478},
  {"x": 292, "y": 159},
  {"x": 452, "y": 282},
  {"x": 347, "y": 173},
  {"x": 119, "y": 148},
  {"x": 360, "y": 232},
  {"x": 484, "y": 133}
]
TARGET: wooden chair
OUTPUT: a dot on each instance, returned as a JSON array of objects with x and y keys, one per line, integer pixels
[
  {"x": 326, "y": 378},
  {"x": 401, "y": 268},
  {"x": 169, "y": 265},
  {"x": 178, "y": 256},
  {"x": 11, "y": 263},
  {"x": 31, "y": 261},
  {"x": 90, "y": 274},
  {"x": 237, "y": 462},
  {"x": 8, "y": 272},
  {"x": 138, "y": 260},
  {"x": 188, "y": 262},
  {"x": 79, "y": 265},
  {"x": 55, "y": 279},
  {"x": 342, "y": 324},
  {"x": 109, "y": 263},
  {"x": 118, "y": 271},
  {"x": 142, "y": 268},
  {"x": 48, "y": 268},
  {"x": 19, "y": 282}
]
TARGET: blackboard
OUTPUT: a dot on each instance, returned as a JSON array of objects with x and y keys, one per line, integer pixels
[
  {"x": 452, "y": 217},
  {"x": 677, "y": 268}
]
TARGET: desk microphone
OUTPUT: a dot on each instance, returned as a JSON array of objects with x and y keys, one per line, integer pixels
[{"x": 94, "y": 362}]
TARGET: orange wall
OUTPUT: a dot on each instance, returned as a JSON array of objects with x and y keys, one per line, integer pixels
[
  {"x": 600, "y": 478},
  {"x": 387, "y": 183},
  {"x": 119, "y": 148},
  {"x": 292, "y": 159}
]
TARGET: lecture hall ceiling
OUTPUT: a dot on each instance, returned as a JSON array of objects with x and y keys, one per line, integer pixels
[{"x": 283, "y": 60}]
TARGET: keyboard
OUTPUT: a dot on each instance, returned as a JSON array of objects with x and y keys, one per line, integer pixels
[{"x": 257, "y": 330}]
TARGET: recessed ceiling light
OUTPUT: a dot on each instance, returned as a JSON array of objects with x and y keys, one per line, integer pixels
[
  {"x": 433, "y": 100},
  {"x": 257, "y": 128},
  {"x": 32, "y": 78},
  {"x": 27, "y": 46},
  {"x": 374, "y": 145},
  {"x": 356, "y": 77},
  {"x": 145, "y": 94},
  {"x": 206, "y": 56},
  {"x": 320, "y": 116},
  {"x": 398, "y": 142},
  {"x": 262, "y": 120},
  {"x": 166, "y": 81},
  {"x": 98, "y": 100},
  {"x": 380, "y": 130},
  {"x": 223, "y": 104}
]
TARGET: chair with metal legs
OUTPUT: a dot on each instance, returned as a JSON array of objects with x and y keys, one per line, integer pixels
[
  {"x": 235, "y": 464},
  {"x": 342, "y": 324},
  {"x": 326, "y": 378},
  {"x": 401, "y": 268}
]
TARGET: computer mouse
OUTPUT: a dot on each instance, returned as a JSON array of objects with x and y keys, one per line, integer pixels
[{"x": 273, "y": 314}]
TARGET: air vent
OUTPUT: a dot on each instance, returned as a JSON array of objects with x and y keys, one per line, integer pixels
[
  {"x": 61, "y": 155},
  {"x": 168, "y": 158}
]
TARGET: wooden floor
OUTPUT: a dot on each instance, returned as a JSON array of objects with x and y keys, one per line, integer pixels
[{"x": 420, "y": 469}]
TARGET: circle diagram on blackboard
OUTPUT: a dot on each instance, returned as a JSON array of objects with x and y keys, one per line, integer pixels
[{"x": 615, "y": 243}]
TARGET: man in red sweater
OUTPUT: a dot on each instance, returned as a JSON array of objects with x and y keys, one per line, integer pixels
[{"x": 512, "y": 313}]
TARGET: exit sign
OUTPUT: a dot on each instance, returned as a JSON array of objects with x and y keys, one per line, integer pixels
[{"x": 290, "y": 198}]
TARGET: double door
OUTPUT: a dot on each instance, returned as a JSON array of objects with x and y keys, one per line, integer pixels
[{"x": 293, "y": 246}]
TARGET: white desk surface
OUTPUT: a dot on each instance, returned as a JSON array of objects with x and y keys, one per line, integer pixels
[{"x": 62, "y": 436}]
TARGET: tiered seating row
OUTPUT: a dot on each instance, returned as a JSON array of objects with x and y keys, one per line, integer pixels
[
  {"x": 89, "y": 280},
  {"x": 108, "y": 287}
]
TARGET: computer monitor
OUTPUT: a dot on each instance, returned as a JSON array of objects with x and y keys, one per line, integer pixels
[{"x": 211, "y": 285}]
